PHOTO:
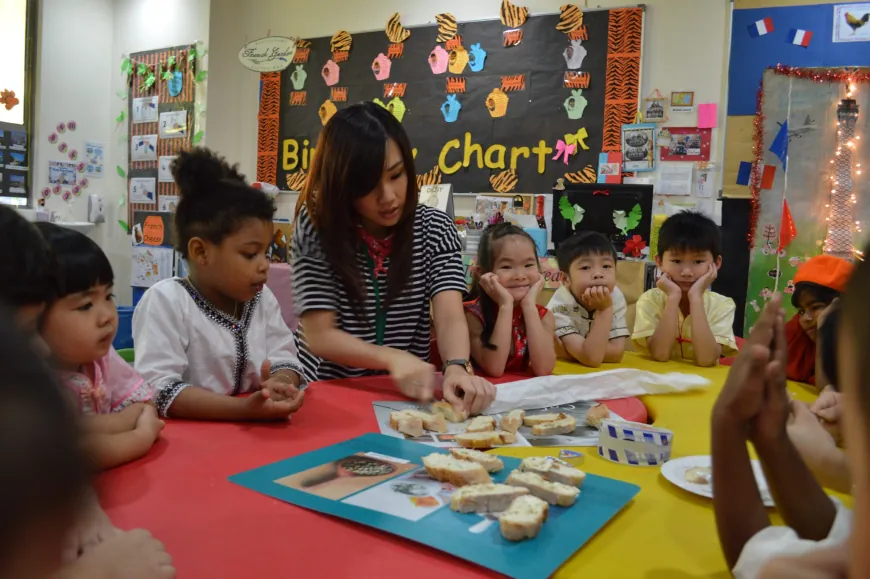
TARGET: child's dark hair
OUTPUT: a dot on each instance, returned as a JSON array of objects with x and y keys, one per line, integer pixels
[
  {"x": 26, "y": 266},
  {"x": 855, "y": 324},
  {"x": 215, "y": 199},
  {"x": 817, "y": 293},
  {"x": 80, "y": 264},
  {"x": 45, "y": 475},
  {"x": 690, "y": 231},
  {"x": 580, "y": 245},
  {"x": 486, "y": 258},
  {"x": 827, "y": 343}
]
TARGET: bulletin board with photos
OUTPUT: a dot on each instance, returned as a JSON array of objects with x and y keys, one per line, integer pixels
[
  {"x": 14, "y": 165},
  {"x": 161, "y": 122}
]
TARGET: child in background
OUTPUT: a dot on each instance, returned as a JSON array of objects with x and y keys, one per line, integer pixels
[
  {"x": 818, "y": 283},
  {"x": 681, "y": 318},
  {"x": 509, "y": 331},
  {"x": 589, "y": 309},
  {"x": 203, "y": 339},
  {"x": 79, "y": 326}
]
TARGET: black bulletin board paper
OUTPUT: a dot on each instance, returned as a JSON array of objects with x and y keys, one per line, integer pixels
[{"x": 533, "y": 115}]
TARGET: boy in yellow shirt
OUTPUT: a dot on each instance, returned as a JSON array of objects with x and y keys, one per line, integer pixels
[{"x": 681, "y": 318}]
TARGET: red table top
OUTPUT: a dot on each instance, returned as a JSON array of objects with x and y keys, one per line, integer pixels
[{"x": 214, "y": 528}]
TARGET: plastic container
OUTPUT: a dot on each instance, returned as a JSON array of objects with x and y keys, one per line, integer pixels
[{"x": 124, "y": 337}]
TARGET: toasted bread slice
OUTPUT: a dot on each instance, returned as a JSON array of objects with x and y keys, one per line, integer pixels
[
  {"x": 445, "y": 468},
  {"x": 406, "y": 424},
  {"x": 489, "y": 462},
  {"x": 512, "y": 421},
  {"x": 564, "y": 425},
  {"x": 486, "y": 498},
  {"x": 485, "y": 439},
  {"x": 552, "y": 492},
  {"x": 524, "y": 518},
  {"x": 481, "y": 424},
  {"x": 596, "y": 414},
  {"x": 446, "y": 409},
  {"x": 540, "y": 419},
  {"x": 433, "y": 422},
  {"x": 553, "y": 471}
]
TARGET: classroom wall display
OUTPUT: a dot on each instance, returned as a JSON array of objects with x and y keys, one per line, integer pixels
[
  {"x": 14, "y": 167},
  {"x": 152, "y": 254},
  {"x": 472, "y": 106}
]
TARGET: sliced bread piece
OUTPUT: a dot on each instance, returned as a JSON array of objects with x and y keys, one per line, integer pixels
[
  {"x": 565, "y": 425},
  {"x": 596, "y": 414},
  {"x": 552, "y": 492},
  {"x": 433, "y": 422},
  {"x": 512, "y": 421},
  {"x": 553, "y": 471},
  {"x": 445, "y": 468},
  {"x": 488, "y": 461},
  {"x": 446, "y": 409},
  {"x": 481, "y": 424},
  {"x": 540, "y": 418},
  {"x": 486, "y": 498},
  {"x": 406, "y": 424},
  {"x": 524, "y": 518},
  {"x": 485, "y": 439}
]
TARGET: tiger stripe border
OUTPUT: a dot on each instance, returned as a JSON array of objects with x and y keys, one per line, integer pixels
[
  {"x": 622, "y": 76},
  {"x": 267, "y": 127}
]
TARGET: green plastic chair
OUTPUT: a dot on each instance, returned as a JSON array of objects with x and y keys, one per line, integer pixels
[{"x": 127, "y": 355}]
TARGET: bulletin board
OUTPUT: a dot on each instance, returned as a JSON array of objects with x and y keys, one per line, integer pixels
[
  {"x": 161, "y": 123},
  {"x": 14, "y": 165},
  {"x": 537, "y": 110}
]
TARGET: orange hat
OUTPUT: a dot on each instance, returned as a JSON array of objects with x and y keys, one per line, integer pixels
[{"x": 825, "y": 270}]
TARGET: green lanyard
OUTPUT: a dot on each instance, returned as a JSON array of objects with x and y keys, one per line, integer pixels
[{"x": 380, "y": 314}]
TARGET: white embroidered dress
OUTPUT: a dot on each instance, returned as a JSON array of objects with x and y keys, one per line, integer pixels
[{"x": 182, "y": 340}]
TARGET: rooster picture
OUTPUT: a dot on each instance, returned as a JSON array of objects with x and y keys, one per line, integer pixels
[{"x": 856, "y": 23}]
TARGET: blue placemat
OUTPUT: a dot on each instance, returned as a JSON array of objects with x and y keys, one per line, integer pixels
[{"x": 379, "y": 481}]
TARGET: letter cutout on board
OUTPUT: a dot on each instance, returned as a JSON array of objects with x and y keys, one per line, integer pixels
[
  {"x": 575, "y": 104},
  {"x": 442, "y": 158},
  {"x": 575, "y": 54},
  {"x": 438, "y": 59},
  {"x": 476, "y": 58},
  {"x": 450, "y": 108},
  {"x": 297, "y": 77},
  {"x": 381, "y": 67}
]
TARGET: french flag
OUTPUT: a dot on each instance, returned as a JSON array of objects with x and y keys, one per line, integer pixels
[
  {"x": 761, "y": 27},
  {"x": 800, "y": 37}
]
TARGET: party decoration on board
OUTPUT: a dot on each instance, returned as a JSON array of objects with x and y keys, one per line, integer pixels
[
  {"x": 298, "y": 98},
  {"x": 768, "y": 174},
  {"x": 397, "y": 107},
  {"x": 570, "y": 18},
  {"x": 338, "y": 94},
  {"x": 438, "y": 60},
  {"x": 327, "y": 109},
  {"x": 430, "y": 177},
  {"x": 504, "y": 181},
  {"x": 512, "y": 15},
  {"x": 295, "y": 181},
  {"x": 457, "y": 60},
  {"x": 330, "y": 73},
  {"x": 761, "y": 27},
  {"x": 455, "y": 84},
  {"x": 269, "y": 54},
  {"x": 497, "y": 103},
  {"x": 564, "y": 151},
  {"x": 450, "y": 108},
  {"x": 381, "y": 67},
  {"x": 512, "y": 37},
  {"x": 395, "y": 31},
  {"x": 476, "y": 58},
  {"x": 575, "y": 104},
  {"x": 578, "y": 138},
  {"x": 574, "y": 54},
  {"x": 575, "y": 79},
  {"x": 788, "y": 230},
  {"x": 8, "y": 99},
  {"x": 610, "y": 168},
  {"x": 799, "y": 37},
  {"x": 392, "y": 89},
  {"x": 626, "y": 223},
  {"x": 839, "y": 240},
  {"x": 446, "y": 26},
  {"x": 298, "y": 77},
  {"x": 340, "y": 45},
  {"x": 587, "y": 175},
  {"x": 573, "y": 213},
  {"x": 513, "y": 83},
  {"x": 634, "y": 246}
]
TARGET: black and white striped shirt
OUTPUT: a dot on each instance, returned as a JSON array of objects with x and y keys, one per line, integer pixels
[{"x": 436, "y": 267}]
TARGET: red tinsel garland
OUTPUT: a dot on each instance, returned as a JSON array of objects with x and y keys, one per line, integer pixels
[{"x": 853, "y": 75}]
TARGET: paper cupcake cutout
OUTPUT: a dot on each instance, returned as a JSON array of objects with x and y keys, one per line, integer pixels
[
  {"x": 476, "y": 58},
  {"x": 298, "y": 77},
  {"x": 575, "y": 104},
  {"x": 397, "y": 108},
  {"x": 330, "y": 73},
  {"x": 327, "y": 109},
  {"x": 381, "y": 67},
  {"x": 458, "y": 60},
  {"x": 438, "y": 59},
  {"x": 446, "y": 26},
  {"x": 575, "y": 54},
  {"x": 497, "y": 103},
  {"x": 395, "y": 31},
  {"x": 450, "y": 108},
  {"x": 378, "y": 102}
]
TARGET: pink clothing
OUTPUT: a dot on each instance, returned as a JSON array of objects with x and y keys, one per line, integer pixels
[{"x": 108, "y": 385}]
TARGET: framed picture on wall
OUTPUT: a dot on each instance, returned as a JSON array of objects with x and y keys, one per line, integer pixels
[
  {"x": 639, "y": 147},
  {"x": 688, "y": 144},
  {"x": 655, "y": 108}
]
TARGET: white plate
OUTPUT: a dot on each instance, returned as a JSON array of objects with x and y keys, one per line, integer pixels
[{"x": 675, "y": 471}]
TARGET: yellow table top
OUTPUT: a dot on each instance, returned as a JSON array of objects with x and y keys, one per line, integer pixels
[{"x": 665, "y": 533}]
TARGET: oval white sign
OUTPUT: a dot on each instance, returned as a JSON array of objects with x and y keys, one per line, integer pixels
[{"x": 269, "y": 54}]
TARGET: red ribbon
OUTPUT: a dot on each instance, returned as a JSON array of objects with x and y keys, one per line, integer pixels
[{"x": 601, "y": 192}]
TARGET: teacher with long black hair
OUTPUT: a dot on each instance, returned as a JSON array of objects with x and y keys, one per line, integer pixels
[{"x": 368, "y": 261}]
